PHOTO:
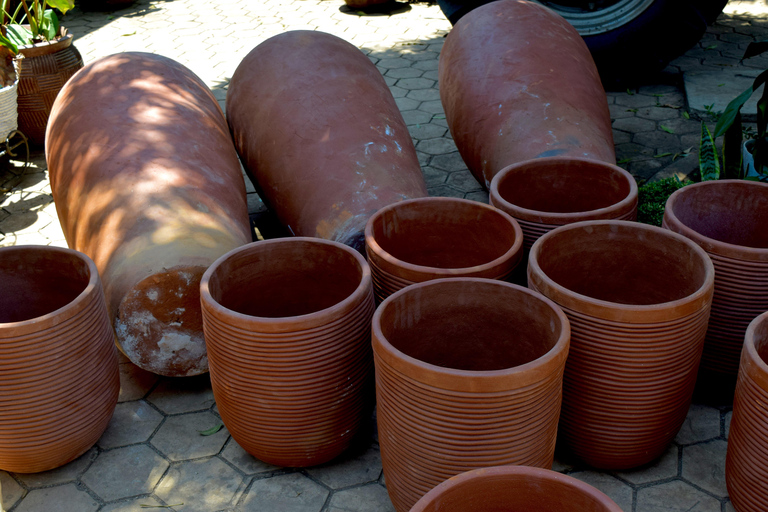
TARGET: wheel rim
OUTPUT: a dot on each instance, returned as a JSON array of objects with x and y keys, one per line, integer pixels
[{"x": 597, "y": 17}]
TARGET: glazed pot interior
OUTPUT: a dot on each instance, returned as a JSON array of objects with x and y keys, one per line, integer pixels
[
  {"x": 563, "y": 186},
  {"x": 733, "y": 212},
  {"x": 471, "y": 325},
  {"x": 290, "y": 278},
  {"x": 443, "y": 234},
  {"x": 36, "y": 282},
  {"x": 622, "y": 263}
]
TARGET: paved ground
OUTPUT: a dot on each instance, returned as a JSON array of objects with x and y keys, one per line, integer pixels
[{"x": 152, "y": 453}]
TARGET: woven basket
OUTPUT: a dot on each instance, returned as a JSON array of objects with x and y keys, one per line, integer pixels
[{"x": 8, "y": 109}]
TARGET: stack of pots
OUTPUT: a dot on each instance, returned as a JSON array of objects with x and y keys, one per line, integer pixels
[
  {"x": 468, "y": 375},
  {"x": 437, "y": 237},
  {"x": 287, "y": 326},
  {"x": 727, "y": 219},
  {"x": 638, "y": 299},
  {"x": 58, "y": 364}
]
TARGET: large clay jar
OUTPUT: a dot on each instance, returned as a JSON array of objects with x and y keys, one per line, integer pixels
[
  {"x": 638, "y": 299},
  {"x": 468, "y": 375},
  {"x": 147, "y": 182},
  {"x": 58, "y": 364},
  {"x": 288, "y": 324},
  {"x": 517, "y": 82},
  {"x": 321, "y": 135},
  {"x": 514, "y": 488},
  {"x": 746, "y": 464},
  {"x": 727, "y": 219},
  {"x": 435, "y": 237}
]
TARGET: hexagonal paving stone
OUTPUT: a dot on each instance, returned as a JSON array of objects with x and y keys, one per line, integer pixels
[
  {"x": 243, "y": 460},
  {"x": 415, "y": 83},
  {"x": 675, "y": 496},
  {"x": 10, "y": 491},
  {"x": 61, "y": 475},
  {"x": 481, "y": 196},
  {"x": 132, "y": 422},
  {"x": 293, "y": 492},
  {"x": 634, "y": 125},
  {"x": 615, "y": 489},
  {"x": 445, "y": 191},
  {"x": 175, "y": 396},
  {"x": 125, "y": 472},
  {"x": 449, "y": 162},
  {"x": 702, "y": 423},
  {"x": 64, "y": 498},
  {"x": 179, "y": 437},
  {"x": 350, "y": 469},
  {"x": 660, "y": 469},
  {"x": 464, "y": 181},
  {"x": 704, "y": 465},
  {"x": 371, "y": 498},
  {"x": 436, "y": 146},
  {"x": 727, "y": 421},
  {"x": 201, "y": 485},
  {"x": 136, "y": 505}
]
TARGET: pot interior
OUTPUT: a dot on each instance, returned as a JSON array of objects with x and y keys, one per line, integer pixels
[
  {"x": 563, "y": 186},
  {"x": 622, "y": 263},
  {"x": 444, "y": 234},
  {"x": 733, "y": 212},
  {"x": 761, "y": 340},
  {"x": 289, "y": 278},
  {"x": 471, "y": 325},
  {"x": 35, "y": 282}
]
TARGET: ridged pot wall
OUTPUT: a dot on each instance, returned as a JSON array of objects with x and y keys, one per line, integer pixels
[
  {"x": 746, "y": 463},
  {"x": 287, "y": 324},
  {"x": 58, "y": 364},
  {"x": 436, "y": 237},
  {"x": 147, "y": 183},
  {"x": 638, "y": 299},
  {"x": 468, "y": 375},
  {"x": 514, "y": 488},
  {"x": 320, "y": 135},
  {"x": 518, "y": 82},
  {"x": 727, "y": 219}
]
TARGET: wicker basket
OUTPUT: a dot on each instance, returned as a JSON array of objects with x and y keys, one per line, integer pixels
[{"x": 8, "y": 109}]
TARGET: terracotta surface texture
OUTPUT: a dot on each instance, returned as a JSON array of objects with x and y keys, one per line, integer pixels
[
  {"x": 288, "y": 324},
  {"x": 746, "y": 464},
  {"x": 147, "y": 182},
  {"x": 514, "y": 488},
  {"x": 517, "y": 82},
  {"x": 455, "y": 391},
  {"x": 58, "y": 364},
  {"x": 321, "y": 135},
  {"x": 638, "y": 298},
  {"x": 727, "y": 219},
  {"x": 417, "y": 240}
]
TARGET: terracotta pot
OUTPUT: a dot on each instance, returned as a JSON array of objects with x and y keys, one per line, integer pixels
[
  {"x": 638, "y": 299},
  {"x": 430, "y": 238},
  {"x": 287, "y": 324},
  {"x": 58, "y": 364},
  {"x": 147, "y": 182},
  {"x": 746, "y": 462},
  {"x": 43, "y": 71},
  {"x": 727, "y": 219},
  {"x": 455, "y": 391},
  {"x": 514, "y": 488},
  {"x": 517, "y": 82},
  {"x": 320, "y": 133}
]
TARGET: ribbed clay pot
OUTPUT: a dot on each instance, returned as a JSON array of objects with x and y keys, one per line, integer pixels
[
  {"x": 147, "y": 182},
  {"x": 288, "y": 324},
  {"x": 58, "y": 364},
  {"x": 514, "y": 488},
  {"x": 518, "y": 82},
  {"x": 431, "y": 238},
  {"x": 321, "y": 135},
  {"x": 746, "y": 464},
  {"x": 468, "y": 375},
  {"x": 638, "y": 299},
  {"x": 727, "y": 219}
]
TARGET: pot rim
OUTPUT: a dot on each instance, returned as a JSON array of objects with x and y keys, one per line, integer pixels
[
  {"x": 72, "y": 308},
  {"x": 740, "y": 252},
  {"x": 511, "y": 257},
  {"x": 468, "y": 380},
  {"x": 64, "y": 40},
  {"x": 628, "y": 313},
  {"x": 752, "y": 363},
  {"x": 558, "y": 218},
  {"x": 287, "y": 323},
  {"x": 528, "y": 472}
]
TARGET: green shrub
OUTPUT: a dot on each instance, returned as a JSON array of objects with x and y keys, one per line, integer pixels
[{"x": 651, "y": 198}]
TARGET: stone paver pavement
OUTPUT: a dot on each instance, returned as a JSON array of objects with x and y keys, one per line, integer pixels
[{"x": 152, "y": 454}]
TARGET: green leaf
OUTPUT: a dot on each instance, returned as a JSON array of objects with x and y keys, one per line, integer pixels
[
  {"x": 732, "y": 150},
  {"x": 734, "y": 107},
  {"x": 211, "y": 430},
  {"x": 709, "y": 164},
  {"x": 662, "y": 155},
  {"x": 666, "y": 129},
  {"x": 624, "y": 161},
  {"x": 49, "y": 25},
  {"x": 686, "y": 115},
  {"x": 4, "y": 41},
  {"x": 755, "y": 49},
  {"x": 62, "y": 5},
  {"x": 19, "y": 35},
  {"x": 631, "y": 93}
]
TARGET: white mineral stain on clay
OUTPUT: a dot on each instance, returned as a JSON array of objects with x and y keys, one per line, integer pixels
[{"x": 152, "y": 295}]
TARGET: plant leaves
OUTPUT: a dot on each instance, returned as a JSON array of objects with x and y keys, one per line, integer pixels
[
  {"x": 709, "y": 165},
  {"x": 211, "y": 430},
  {"x": 754, "y": 49},
  {"x": 734, "y": 107},
  {"x": 4, "y": 41},
  {"x": 732, "y": 150},
  {"x": 19, "y": 35},
  {"x": 62, "y": 5},
  {"x": 666, "y": 128},
  {"x": 49, "y": 25}
]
